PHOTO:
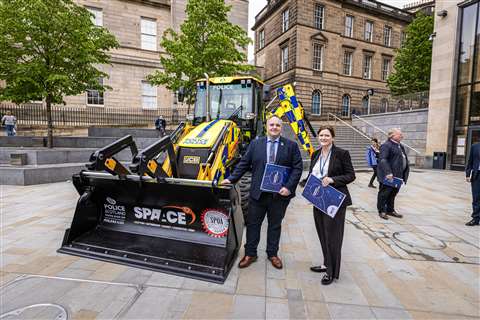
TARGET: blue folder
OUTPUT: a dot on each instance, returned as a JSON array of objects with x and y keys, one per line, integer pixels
[
  {"x": 326, "y": 199},
  {"x": 396, "y": 182},
  {"x": 274, "y": 177}
]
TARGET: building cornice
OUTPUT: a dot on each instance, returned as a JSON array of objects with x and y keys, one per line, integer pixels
[
  {"x": 153, "y": 3},
  {"x": 369, "y": 5},
  {"x": 381, "y": 8}
]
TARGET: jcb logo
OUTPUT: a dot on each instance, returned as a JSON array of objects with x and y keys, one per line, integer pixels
[{"x": 191, "y": 159}]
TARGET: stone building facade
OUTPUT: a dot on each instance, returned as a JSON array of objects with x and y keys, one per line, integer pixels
[
  {"x": 138, "y": 26},
  {"x": 454, "y": 107},
  {"x": 339, "y": 53}
]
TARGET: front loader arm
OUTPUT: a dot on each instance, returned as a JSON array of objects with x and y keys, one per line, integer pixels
[{"x": 104, "y": 160}]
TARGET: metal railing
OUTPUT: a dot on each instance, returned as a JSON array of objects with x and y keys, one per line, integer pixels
[
  {"x": 382, "y": 131},
  {"x": 36, "y": 114},
  {"x": 336, "y": 118}
]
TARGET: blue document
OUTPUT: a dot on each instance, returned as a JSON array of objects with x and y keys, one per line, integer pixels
[
  {"x": 274, "y": 177},
  {"x": 326, "y": 199},
  {"x": 396, "y": 182}
]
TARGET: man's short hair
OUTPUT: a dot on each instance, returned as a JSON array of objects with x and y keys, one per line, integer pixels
[
  {"x": 392, "y": 131},
  {"x": 274, "y": 116}
]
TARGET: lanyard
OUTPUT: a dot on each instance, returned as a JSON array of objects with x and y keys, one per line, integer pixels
[{"x": 327, "y": 159}]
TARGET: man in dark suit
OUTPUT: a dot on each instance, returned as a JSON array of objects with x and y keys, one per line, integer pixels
[
  {"x": 472, "y": 172},
  {"x": 393, "y": 162},
  {"x": 270, "y": 149}
]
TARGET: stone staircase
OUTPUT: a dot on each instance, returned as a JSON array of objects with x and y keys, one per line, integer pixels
[{"x": 345, "y": 138}]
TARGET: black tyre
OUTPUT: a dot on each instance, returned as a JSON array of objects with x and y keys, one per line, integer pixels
[{"x": 244, "y": 185}]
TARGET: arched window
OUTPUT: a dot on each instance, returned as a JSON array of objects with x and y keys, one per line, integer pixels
[
  {"x": 316, "y": 102},
  {"x": 384, "y": 105},
  {"x": 345, "y": 105},
  {"x": 365, "y": 105}
]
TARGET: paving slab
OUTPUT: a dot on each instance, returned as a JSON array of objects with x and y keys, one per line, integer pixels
[{"x": 423, "y": 266}]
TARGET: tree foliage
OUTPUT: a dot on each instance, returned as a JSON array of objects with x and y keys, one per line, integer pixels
[
  {"x": 207, "y": 43},
  {"x": 50, "y": 49},
  {"x": 414, "y": 59}
]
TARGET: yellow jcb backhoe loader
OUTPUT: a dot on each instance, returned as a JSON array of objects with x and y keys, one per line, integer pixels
[{"x": 165, "y": 210}]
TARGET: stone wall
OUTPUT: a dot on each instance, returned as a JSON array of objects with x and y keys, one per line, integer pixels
[
  {"x": 130, "y": 63},
  {"x": 412, "y": 123}
]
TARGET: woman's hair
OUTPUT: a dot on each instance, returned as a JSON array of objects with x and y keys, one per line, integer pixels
[
  {"x": 329, "y": 128},
  {"x": 375, "y": 140}
]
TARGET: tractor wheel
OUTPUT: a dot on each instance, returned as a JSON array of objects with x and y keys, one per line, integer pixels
[{"x": 244, "y": 185}]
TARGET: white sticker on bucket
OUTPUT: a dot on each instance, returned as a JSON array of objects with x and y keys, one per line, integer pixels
[{"x": 215, "y": 222}]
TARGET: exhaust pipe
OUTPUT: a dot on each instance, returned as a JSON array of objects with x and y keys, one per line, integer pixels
[{"x": 207, "y": 97}]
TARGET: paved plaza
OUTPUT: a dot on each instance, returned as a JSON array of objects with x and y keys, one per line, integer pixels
[{"x": 424, "y": 266}]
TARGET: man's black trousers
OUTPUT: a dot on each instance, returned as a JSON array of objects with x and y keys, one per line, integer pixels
[
  {"x": 274, "y": 207},
  {"x": 386, "y": 198},
  {"x": 476, "y": 199}
]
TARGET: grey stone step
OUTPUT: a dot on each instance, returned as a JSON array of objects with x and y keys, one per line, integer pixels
[
  {"x": 30, "y": 175},
  {"x": 121, "y": 132},
  {"x": 40, "y": 156}
]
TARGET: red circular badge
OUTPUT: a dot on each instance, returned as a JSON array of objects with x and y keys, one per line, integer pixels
[{"x": 215, "y": 222}]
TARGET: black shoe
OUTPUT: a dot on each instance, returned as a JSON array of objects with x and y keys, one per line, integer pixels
[
  {"x": 395, "y": 214},
  {"x": 318, "y": 269},
  {"x": 383, "y": 215},
  {"x": 372, "y": 186},
  {"x": 326, "y": 280},
  {"x": 473, "y": 222}
]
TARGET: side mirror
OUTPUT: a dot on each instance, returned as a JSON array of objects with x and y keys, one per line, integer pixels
[
  {"x": 181, "y": 94},
  {"x": 266, "y": 92}
]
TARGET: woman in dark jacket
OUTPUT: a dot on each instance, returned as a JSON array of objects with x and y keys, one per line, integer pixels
[{"x": 334, "y": 167}]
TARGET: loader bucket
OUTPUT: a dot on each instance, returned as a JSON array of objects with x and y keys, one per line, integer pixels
[{"x": 177, "y": 226}]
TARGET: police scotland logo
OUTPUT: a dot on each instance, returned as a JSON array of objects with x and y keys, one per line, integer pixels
[{"x": 215, "y": 222}]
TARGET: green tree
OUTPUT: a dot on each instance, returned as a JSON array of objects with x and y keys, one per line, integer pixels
[
  {"x": 414, "y": 59},
  {"x": 50, "y": 49},
  {"x": 207, "y": 43}
]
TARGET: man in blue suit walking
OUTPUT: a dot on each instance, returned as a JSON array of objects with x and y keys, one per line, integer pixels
[
  {"x": 472, "y": 172},
  {"x": 270, "y": 149}
]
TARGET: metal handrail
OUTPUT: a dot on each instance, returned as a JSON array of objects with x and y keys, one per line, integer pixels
[
  {"x": 349, "y": 125},
  {"x": 374, "y": 126}
]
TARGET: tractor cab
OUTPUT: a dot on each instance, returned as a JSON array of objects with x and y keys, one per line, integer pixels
[{"x": 239, "y": 99}]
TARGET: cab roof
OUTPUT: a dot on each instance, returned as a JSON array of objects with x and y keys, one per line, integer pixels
[{"x": 218, "y": 80}]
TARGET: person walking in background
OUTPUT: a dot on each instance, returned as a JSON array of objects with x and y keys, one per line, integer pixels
[
  {"x": 9, "y": 121},
  {"x": 334, "y": 167},
  {"x": 280, "y": 151},
  {"x": 393, "y": 162},
  {"x": 472, "y": 172},
  {"x": 372, "y": 154},
  {"x": 160, "y": 125}
]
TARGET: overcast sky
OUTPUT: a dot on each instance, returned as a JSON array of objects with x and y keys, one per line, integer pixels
[{"x": 256, "y": 5}]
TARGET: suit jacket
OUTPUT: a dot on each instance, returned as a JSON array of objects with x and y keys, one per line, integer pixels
[
  {"x": 473, "y": 162},
  {"x": 255, "y": 159},
  {"x": 340, "y": 169},
  {"x": 391, "y": 161}
]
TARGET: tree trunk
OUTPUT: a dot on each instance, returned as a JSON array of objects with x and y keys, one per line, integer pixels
[{"x": 49, "y": 122}]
